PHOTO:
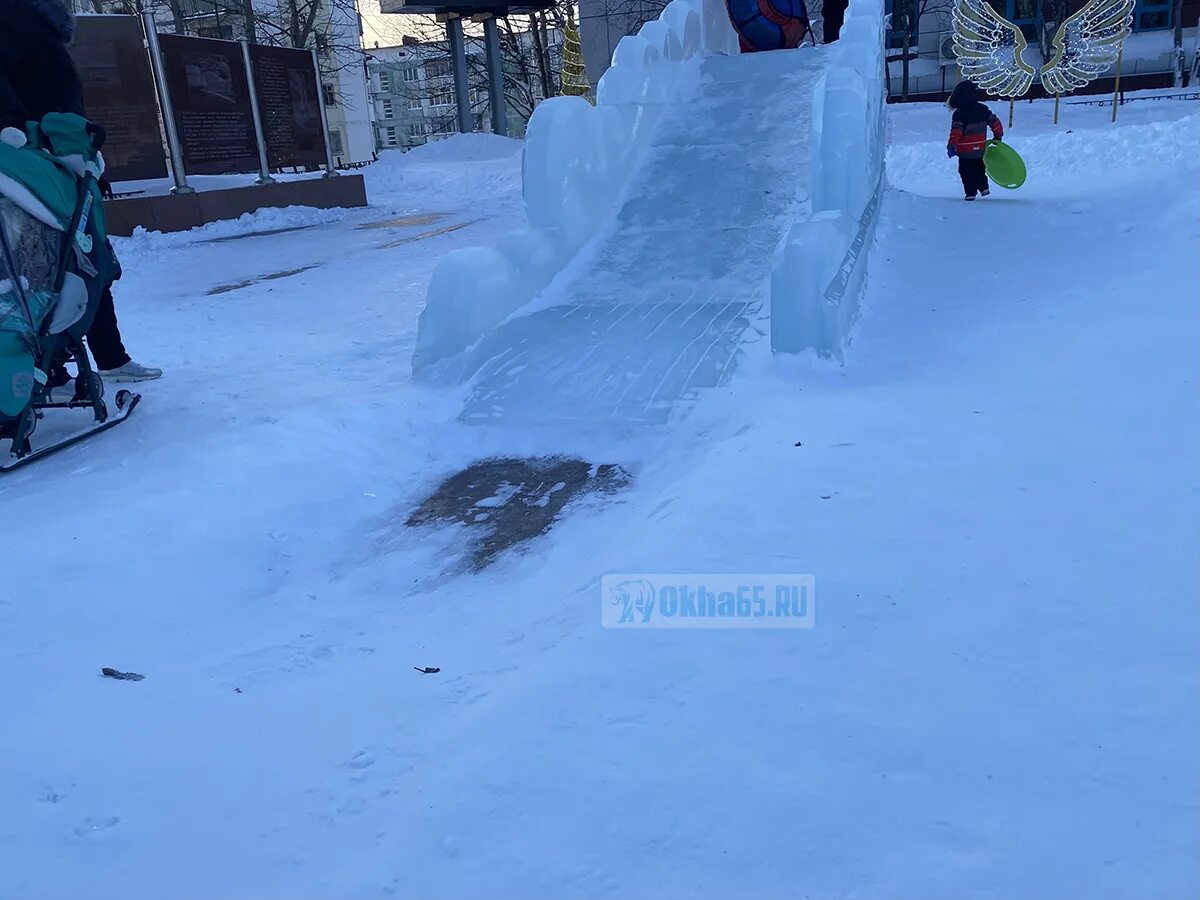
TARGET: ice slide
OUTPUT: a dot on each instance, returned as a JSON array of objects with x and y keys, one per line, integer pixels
[{"x": 669, "y": 225}]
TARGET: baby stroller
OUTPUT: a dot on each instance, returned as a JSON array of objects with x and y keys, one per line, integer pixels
[{"x": 55, "y": 263}]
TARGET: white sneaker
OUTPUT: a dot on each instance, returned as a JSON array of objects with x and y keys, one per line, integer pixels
[{"x": 131, "y": 371}]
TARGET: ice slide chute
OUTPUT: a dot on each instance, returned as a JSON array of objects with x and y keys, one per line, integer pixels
[{"x": 707, "y": 198}]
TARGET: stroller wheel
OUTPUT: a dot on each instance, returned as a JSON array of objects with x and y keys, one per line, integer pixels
[
  {"x": 81, "y": 391},
  {"x": 122, "y": 398}
]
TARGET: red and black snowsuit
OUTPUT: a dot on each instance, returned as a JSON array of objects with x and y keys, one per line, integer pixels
[{"x": 969, "y": 135}]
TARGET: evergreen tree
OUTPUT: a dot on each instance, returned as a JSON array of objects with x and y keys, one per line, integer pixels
[{"x": 574, "y": 74}]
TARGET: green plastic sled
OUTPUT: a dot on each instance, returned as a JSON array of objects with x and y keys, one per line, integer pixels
[{"x": 1004, "y": 165}]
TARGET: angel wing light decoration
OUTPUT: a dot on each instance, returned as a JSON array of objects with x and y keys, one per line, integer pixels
[
  {"x": 991, "y": 49},
  {"x": 1087, "y": 44}
]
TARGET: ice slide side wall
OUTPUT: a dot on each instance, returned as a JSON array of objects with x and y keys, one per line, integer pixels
[
  {"x": 820, "y": 272},
  {"x": 578, "y": 159}
]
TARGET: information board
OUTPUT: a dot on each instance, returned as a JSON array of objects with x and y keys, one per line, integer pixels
[
  {"x": 211, "y": 97},
  {"x": 288, "y": 100},
  {"x": 118, "y": 93}
]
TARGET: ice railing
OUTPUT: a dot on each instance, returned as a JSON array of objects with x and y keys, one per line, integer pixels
[
  {"x": 578, "y": 159},
  {"x": 820, "y": 273}
]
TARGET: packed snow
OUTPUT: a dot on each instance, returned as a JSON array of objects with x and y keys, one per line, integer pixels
[{"x": 996, "y": 493}]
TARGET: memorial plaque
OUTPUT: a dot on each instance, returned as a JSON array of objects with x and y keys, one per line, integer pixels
[
  {"x": 118, "y": 93},
  {"x": 212, "y": 104},
  {"x": 289, "y": 102}
]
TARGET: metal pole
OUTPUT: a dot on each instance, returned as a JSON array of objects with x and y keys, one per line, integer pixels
[
  {"x": 174, "y": 147},
  {"x": 1011, "y": 103},
  {"x": 330, "y": 168},
  {"x": 1117, "y": 83},
  {"x": 264, "y": 167},
  {"x": 250, "y": 25},
  {"x": 1056, "y": 98},
  {"x": 491, "y": 35},
  {"x": 462, "y": 90}
]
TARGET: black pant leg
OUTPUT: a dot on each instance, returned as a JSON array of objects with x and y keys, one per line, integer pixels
[
  {"x": 973, "y": 175},
  {"x": 981, "y": 179},
  {"x": 833, "y": 13},
  {"x": 967, "y": 176},
  {"x": 104, "y": 338}
]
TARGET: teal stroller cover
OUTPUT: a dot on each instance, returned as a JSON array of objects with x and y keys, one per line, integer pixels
[{"x": 55, "y": 258}]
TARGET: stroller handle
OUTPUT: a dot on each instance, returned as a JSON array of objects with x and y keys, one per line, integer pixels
[{"x": 97, "y": 134}]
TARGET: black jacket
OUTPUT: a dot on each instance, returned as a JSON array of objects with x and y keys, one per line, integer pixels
[{"x": 37, "y": 75}]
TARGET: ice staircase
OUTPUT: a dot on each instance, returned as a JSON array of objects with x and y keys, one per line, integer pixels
[
  {"x": 681, "y": 281},
  {"x": 710, "y": 199}
]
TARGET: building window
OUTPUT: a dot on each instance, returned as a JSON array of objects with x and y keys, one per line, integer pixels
[
  {"x": 442, "y": 98},
  {"x": 1151, "y": 15},
  {"x": 385, "y": 81},
  {"x": 414, "y": 102},
  {"x": 439, "y": 68},
  {"x": 335, "y": 141},
  {"x": 411, "y": 74},
  {"x": 329, "y": 94},
  {"x": 390, "y": 135},
  {"x": 387, "y": 110},
  {"x": 1022, "y": 13}
]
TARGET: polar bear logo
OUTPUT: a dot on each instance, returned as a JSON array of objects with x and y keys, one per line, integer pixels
[{"x": 636, "y": 599}]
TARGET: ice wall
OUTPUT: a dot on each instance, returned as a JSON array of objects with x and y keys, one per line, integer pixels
[
  {"x": 578, "y": 159},
  {"x": 821, "y": 269}
]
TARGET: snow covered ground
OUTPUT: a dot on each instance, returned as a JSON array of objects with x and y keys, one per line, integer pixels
[{"x": 997, "y": 495}]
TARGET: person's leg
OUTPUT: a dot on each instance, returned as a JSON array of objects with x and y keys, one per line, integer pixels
[
  {"x": 981, "y": 179},
  {"x": 104, "y": 337},
  {"x": 967, "y": 174},
  {"x": 104, "y": 340},
  {"x": 833, "y": 13}
]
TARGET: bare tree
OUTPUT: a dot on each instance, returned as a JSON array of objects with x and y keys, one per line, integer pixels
[
  {"x": 531, "y": 65},
  {"x": 1180, "y": 61},
  {"x": 330, "y": 26},
  {"x": 906, "y": 22}
]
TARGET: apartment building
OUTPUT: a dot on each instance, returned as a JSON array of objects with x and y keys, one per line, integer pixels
[{"x": 412, "y": 87}]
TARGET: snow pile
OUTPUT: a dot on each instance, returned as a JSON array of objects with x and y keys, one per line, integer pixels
[
  {"x": 473, "y": 147},
  {"x": 265, "y": 219},
  {"x": 819, "y": 277},
  {"x": 459, "y": 172},
  {"x": 578, "y": 159}
]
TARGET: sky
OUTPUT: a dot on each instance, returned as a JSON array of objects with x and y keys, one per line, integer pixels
[
  {"x": 378, "y": 28},
  {"x": 386, "y": 29}
]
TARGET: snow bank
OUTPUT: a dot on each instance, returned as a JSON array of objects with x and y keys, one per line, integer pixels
[
  {"x": 461, "y": 148},
  {"x": 578, "y": 159},
  {"x": 821, "y": 269},
  {"x": 434, "y": 176},
  {"x": 265, "y": 219}
]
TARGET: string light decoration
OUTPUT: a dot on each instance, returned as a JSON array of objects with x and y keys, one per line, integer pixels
[
  {"x": 991, "y": 49},
  {"x": 574, "y": 73}
]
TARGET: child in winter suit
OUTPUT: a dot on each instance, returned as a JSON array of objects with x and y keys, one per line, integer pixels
[{"x": 968, "y": 137}]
